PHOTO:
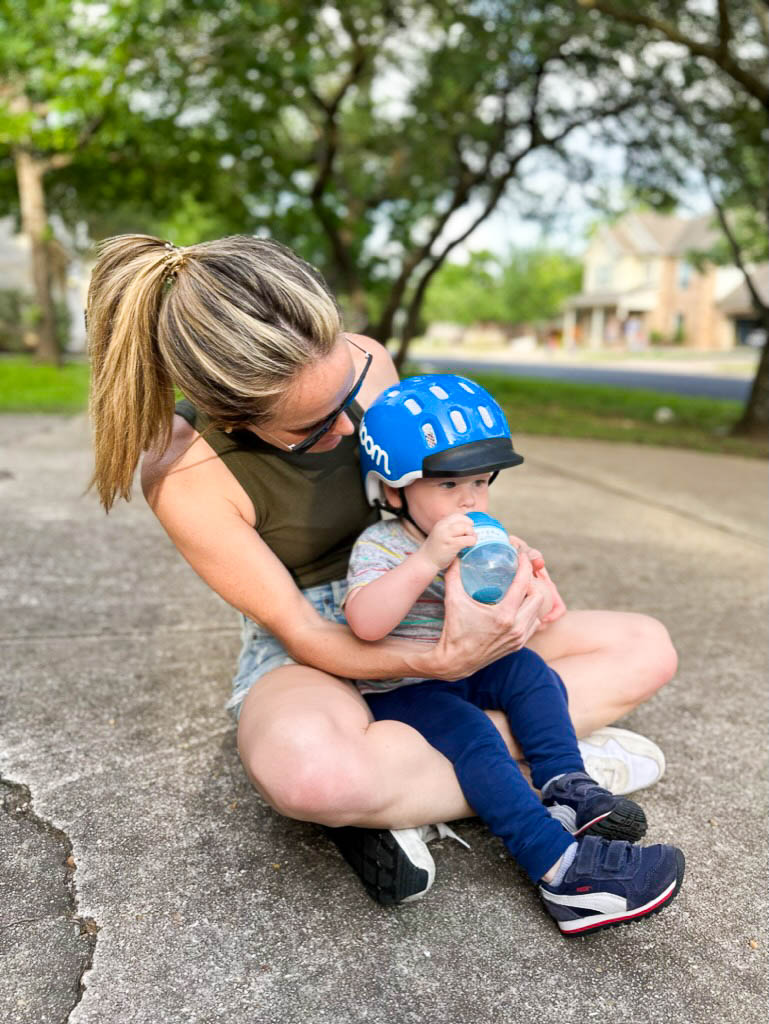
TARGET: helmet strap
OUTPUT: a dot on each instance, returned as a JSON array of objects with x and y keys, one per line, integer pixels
[
  {"x": 405, "y": 514},
  {"x": 401, "y": 512}
]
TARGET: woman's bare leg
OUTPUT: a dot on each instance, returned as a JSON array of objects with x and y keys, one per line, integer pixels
[
  {"x": 610, "y": 662},
  {"x": 310, "y": 747}
]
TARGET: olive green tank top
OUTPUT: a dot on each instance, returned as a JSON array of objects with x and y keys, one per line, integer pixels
[{"x": 309, "y": 507}]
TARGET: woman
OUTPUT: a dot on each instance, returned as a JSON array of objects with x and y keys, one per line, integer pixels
[{"x": 255, "y": 479}]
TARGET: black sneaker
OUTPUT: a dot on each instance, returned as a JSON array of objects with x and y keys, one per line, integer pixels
[
  {"x": 610, "y": 883},
  {"x": 585, "y": 808},
  {"x": 394, "y": 865}
]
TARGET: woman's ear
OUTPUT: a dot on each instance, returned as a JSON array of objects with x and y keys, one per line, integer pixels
[{"x": 392, "y": 496}]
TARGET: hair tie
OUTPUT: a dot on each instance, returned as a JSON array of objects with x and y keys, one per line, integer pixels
[{"x": 174, "y": 260}]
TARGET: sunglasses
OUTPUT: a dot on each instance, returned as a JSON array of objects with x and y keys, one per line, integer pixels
[{"x": 323, "y": 428}]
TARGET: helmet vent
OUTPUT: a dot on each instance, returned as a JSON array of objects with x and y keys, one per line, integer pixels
[
  {"x": 393, "y": 394},
  {"x": 437, "y": 390},
  {"x": 458, "y": 420},
  {"x": 486, "y": 416},
  {"x": 413, "y": 406},
  {"x": 466, "y": 387},
  {"x": 429, "y": 434}
]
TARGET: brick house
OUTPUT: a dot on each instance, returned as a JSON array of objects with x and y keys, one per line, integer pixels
[{"x": 639, "y": 286}]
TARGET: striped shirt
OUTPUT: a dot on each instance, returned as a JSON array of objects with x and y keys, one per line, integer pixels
[{"x": 380, "y": 548}]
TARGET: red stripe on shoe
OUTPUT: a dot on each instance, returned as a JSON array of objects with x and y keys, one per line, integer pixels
[{"x": 642, "y": 912}]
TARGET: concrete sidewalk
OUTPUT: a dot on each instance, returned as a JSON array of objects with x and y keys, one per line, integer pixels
[{"x": 143, "y": 880}]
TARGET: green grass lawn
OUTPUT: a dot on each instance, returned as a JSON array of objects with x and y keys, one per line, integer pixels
[
  {"x": 574, "y": 409},
  {"x": 27, "y": 387},
  {"x": 533, "y": 406}
]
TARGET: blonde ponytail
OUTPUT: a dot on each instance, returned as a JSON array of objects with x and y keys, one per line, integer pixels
[
  {"x": 228, "y": 322},
  {"x": 132, "y": 398}
]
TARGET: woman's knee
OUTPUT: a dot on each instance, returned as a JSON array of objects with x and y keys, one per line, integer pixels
[
  {"x": 649, "y": 646},
  {"x": 306, "y": 770}
]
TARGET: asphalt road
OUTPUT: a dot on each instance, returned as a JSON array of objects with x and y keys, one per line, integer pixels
[{"x": 673, "y": 383}]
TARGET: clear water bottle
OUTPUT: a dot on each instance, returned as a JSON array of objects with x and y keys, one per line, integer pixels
[{"x": 489, "y": 566}]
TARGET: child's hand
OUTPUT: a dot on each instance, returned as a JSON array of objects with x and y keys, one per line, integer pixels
[{"x": 447, "y": 538}]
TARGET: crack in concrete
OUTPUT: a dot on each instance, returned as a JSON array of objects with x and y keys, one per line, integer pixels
[{"x": 17, "y": 803}]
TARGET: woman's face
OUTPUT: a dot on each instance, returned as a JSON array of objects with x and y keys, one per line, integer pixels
[{"x": 312, "y": 396}]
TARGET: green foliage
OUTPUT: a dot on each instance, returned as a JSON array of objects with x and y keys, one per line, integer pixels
[
  {"x": 97, "y": 91},
  {"x": 536, "y": 283},
  {"x": 703, "y": 125},
  {"x": 19, "y": 313},
  {"x": 350, "y": 130},
  {"x": 466, "y": 293},
  {"x": 11, "y": 335},
  {"x": 529, "y": 286}
]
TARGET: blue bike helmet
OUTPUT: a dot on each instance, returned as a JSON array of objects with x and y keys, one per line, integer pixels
[{"x": 432, "y": 425}]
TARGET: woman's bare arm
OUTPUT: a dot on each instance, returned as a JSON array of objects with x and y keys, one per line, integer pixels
[{"x": 209, "y": 518}]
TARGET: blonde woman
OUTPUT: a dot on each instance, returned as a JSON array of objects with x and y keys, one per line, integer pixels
[{"x": 255, "y": 479}]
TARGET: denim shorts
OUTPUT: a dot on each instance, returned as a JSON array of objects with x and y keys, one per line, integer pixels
[{"x": 261, "y": 652}]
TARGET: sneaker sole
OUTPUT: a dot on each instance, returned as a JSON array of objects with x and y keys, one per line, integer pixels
[
  {"x": 598, "y": 921},
  {"x": 634, "y": 744},
  {"x": 627, "y": 821},
  {"x": 385, "y": 867}
]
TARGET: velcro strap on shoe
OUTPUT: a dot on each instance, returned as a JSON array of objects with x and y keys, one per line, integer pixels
[
  {"x": 587, "y": 856},
  {"x": 616, "y": 854}
]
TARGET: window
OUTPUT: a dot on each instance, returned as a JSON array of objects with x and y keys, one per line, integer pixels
[
  {"x": 685, "y": 270},
  {"x": 603, "y": 275}
]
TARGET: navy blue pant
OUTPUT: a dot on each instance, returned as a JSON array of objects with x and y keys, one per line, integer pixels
[{"x": 450, "y": 715}]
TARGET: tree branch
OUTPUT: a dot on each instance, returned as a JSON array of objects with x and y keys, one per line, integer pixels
[
  {"x": 718, "y": 54},
  {"x": 537, "y": 140},
  {"x": 724, "y": 28},
  {"x": 330, "y": 145}
]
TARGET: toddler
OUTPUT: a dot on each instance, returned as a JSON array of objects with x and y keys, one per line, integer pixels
[{"x": 430, "y": 448}]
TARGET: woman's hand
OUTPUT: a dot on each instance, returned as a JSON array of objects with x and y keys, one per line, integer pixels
[
  {"x": 476, "y": 634},
  {"x": 535, "y": 557},
  {"x": 553, "y": 600},
  {"x": 556, "y": 602}
]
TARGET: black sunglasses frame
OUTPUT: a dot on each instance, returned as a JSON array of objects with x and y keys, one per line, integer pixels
[{"x": 330, "y": 420}]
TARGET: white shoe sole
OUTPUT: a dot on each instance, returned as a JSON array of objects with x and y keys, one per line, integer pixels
[
  {"x": 622, "y": 761},
  {"x": 418, "y": 855}
]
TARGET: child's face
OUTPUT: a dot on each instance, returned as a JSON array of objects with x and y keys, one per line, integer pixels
[{"x": 436, "y": 497}]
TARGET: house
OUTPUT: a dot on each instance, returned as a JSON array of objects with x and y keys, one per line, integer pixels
[{"x": 640, "y": 286}]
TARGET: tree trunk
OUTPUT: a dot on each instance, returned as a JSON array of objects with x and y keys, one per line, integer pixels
[
  {"x": 754, "y": 421},
  {"x": 34, "y": 224}
]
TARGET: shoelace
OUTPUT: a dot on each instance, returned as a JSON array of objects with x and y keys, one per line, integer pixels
[{"x": 440, "y": 830}]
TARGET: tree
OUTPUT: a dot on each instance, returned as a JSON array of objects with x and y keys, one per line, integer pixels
[
  {"x": 466, "y": 293},
  {"x": 374, "y": 138},
  {"x": 704, "y": 70},
  {"x": 527, "y": 286},
  {"x": 536, "y": 282},
  {"x": 72, "y": 80}
]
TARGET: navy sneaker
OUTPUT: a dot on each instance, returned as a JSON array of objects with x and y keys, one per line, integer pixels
[
  {"x": 394, "y": 865},
  {"x": 585, "y": 808},
  {"x": 611, "y": 883}
]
